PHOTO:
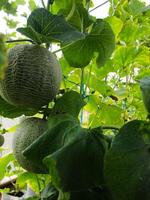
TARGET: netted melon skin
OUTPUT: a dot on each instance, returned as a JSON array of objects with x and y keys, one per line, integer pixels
[
  {"x": 28, "y": 131},
  {"x": 32, "y": 78}
]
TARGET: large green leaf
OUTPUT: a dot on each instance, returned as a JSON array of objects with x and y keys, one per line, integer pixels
[
  {"x": 10, "y": 111},
  {"x": 43, "y": 27},
  {"x": 100, "y": 41},
  {"x": 71, "y": 102},
  {"x": 62, "y": 128},
  {"x": 4, "y": 161},
  {"x": 79, "y": 164},
  {"x": 126, "y": 167}
]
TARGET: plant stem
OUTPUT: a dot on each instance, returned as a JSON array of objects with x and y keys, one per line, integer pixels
[
  {"x": 65, "y": 78},
  {"x": 82, "y": 82},
  {"x": 63, "y": 47},
  {"x": 20, "y": 40},
  {"x": 99, "y": 6},
  {"x": 87, "y": 5},
  {"x": 88, "y": 80},
  {"x": 82, "y": 92},
  {"x": 43, "y": 4},
  {"x": 71, "y": 11},
  {"x": 110, "y": 127}
]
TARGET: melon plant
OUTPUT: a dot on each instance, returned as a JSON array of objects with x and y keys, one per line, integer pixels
[
  {"x": 27, "y": 132},
  {"x": 82, "y": 162},
  {"x": 32, "y": 78}
]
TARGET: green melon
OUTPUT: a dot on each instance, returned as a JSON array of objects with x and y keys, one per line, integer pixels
[
  {"x": 28, "y": 131},
  {"x": 32, "y": 78}
]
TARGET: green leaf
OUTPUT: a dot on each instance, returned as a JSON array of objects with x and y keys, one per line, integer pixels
[
  {"x": 62, "y": 128},
  {"x": 109, "y": 115},
  {"x": 124, "y": 55},
  {"x": 115, "y": 23},
  {"x": 64, "y": 5},
  {"x": 104, "y": 40},
  {"x": 100, "y": 86},
  {"x": 43, "y": 27},
  {"x": 100, "y": 41},
  {"x": 10, "y": 111},
  {"x": 10, "y": 8},
  {"x": 32, "y": 5},
  {"x": 126, "y": 165},
  {"x": 20, "y": 2},
  {"x": 33, "y": 181},
  {"x": 11, "y": 23},
  {"x": 80, "y": 53},
  {"x": 3, "y": 3},
  {"x": 136, "y": 7},
  {"x": 31, "y": 33},
  {"x": 4, "y": 161},
  {"x": 71, "y": 102},
  {"x": 143, "y": 57},
  {"x": 79, "y": 164},
  {"x": 130, "y": 32},
  {"x": 78, "y": 16}
]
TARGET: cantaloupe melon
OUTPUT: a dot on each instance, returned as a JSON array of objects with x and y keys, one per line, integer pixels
[
  {"x": 32, "y": 78},
  {"x": 28, "y": 131}
]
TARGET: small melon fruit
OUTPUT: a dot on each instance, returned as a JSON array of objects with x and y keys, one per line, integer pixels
[
  {"x": 28, "y": 131},
  {"x": 32, "y": 78}
]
